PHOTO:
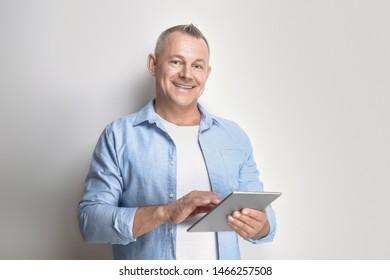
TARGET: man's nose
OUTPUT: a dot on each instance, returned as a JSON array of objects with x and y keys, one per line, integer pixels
[{"x": 186, "y": 72}]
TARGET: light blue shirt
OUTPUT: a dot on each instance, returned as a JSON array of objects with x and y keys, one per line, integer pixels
[{"x": 134, "y": 165}]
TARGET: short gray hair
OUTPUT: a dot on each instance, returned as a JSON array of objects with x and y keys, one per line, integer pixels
[{"x": 189, "y": 29}]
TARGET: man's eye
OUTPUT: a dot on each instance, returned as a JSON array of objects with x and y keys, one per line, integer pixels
[
  {"x": 176, "y": 62},
  {"x": 198, "y": 67}
]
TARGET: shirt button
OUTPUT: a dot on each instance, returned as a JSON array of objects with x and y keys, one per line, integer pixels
[
  {"x": 170, "y": 231},
  {"x": 171, "y": 162},
  {"x": 171, "y": 195}
]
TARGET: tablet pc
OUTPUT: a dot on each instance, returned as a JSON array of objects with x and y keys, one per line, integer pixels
[{"x": 215, "y": 220}]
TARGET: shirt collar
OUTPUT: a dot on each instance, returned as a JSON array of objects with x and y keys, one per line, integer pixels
[{"x": 147, "y": 114}]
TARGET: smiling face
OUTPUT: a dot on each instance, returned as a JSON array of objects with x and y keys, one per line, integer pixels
[{"x": 181, "y": 70}]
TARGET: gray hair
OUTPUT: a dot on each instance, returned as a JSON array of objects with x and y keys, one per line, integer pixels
[{"x": 190, "y": 30}]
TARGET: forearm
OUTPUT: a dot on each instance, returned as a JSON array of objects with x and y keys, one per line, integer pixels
[{"x": 146, "y": 219}]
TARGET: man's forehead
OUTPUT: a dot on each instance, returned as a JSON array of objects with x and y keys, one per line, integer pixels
[{"x": 180, "y": 44}]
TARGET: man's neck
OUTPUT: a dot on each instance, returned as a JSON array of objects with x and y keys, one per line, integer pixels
[{"x": 179, "y": 116}]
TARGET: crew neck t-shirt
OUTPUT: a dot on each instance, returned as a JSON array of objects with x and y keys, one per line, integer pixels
[{"x": 191, "y": 175}]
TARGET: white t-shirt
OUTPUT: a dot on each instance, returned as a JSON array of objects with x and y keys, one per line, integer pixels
[{"x": 191, "y": 175}]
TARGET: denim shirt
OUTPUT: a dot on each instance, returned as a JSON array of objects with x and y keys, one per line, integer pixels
[{"x": 134, "y": 165}]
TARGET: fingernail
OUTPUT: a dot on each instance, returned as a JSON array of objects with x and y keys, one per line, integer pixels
[{"x": 230, "y": 219}]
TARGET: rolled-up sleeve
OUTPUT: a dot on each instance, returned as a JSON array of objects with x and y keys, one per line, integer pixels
[{"x": 101, "y": 220}]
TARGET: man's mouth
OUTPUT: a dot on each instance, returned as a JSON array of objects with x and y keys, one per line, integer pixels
[{"x": 183, "y": 86}]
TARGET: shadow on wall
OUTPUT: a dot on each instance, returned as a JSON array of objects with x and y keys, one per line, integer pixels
[
  {"x": 139, "y": 95},
  {"x": 46, "y": 151}
]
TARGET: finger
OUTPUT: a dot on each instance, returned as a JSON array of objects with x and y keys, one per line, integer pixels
[
  {"x": 191, "y": 204},
  {"x": 241, "y": 221},
  {"x": 243, "y": 229},
  {"x": 253, "y": 213},
  {"x": 198, "y": 202},
  {"x": 206, "y": 193},
  {"x": 211, "y": 197},
  {"x": 202, "y": 209},
  {"x": 206, "y": 208},
  {"x": 250, "y": 218},
  {"x": 248, "y": 222},
  {"x": 202, "y": 197}
]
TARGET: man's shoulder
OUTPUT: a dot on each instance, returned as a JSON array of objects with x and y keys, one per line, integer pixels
[
  {"x": 228, "y": 133},
  {"x": 121, "y": 124},
  {"x": 227, "y": 124},
  {"x": 129, "y": 121}
]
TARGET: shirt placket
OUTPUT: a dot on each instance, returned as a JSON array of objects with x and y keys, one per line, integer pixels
[{"x": 171, "y": 193}]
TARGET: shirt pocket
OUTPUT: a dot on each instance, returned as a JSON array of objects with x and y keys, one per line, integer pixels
[{"x": 233, "y": 160}]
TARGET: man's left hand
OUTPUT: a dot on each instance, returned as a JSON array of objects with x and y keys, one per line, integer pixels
[{"x": 249, "y": 223}]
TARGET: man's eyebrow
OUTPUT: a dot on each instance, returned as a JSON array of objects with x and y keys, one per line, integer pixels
[
  {"x": 176, "y": 56},
  {"x": 200, "y": 60},
  {"x": 182, "y": 58}
]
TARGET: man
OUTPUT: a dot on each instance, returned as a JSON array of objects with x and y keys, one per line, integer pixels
[{"x": 153, "y": 171}]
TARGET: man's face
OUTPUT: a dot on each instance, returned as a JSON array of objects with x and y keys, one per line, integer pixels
[{"x": 181, "y": 70}]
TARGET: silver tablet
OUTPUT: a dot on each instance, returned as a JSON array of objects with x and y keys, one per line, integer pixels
[{"x": 215, "y": 220}]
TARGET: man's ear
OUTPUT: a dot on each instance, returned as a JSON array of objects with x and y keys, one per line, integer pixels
[
  {"x": 152, "y": 64},
  {"x": 208, "y": 71}
]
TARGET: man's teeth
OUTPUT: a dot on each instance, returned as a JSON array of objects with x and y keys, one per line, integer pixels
[{"x": 183, "y": 86}]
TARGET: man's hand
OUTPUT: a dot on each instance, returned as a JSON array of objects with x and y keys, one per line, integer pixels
[
  {"x": 193, "y": 203},
  {"x": 249, "y": 223},
  {"x": 149, "y": 217}
]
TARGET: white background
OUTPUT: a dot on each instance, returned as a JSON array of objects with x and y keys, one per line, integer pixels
[{"x": 307, "y": 80}]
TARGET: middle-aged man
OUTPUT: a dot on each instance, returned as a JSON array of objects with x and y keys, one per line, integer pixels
[{"x": 153, "y": 171}]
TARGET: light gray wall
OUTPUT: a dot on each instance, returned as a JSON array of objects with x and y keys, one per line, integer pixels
[{"x": 308, "y": 81}]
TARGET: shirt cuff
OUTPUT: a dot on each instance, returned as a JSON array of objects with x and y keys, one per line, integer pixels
[{"x": 123, "y": 224}]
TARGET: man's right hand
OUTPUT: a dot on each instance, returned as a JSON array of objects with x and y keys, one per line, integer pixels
[
  {"x": 196, "y": 202},
  {"x": 193, "y": 203}
]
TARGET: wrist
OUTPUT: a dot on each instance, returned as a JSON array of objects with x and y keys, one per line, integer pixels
[
  {"x": 160, "y": 214},
  {"x": 263, "y": 233}
]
